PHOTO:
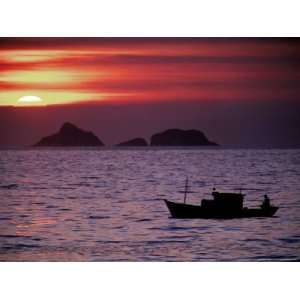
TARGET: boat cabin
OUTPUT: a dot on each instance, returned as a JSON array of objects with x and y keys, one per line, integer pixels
[{"x": 224, "y": 201}]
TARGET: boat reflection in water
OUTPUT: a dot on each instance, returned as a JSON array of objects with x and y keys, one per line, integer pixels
[{"x": 223, "y": 206}]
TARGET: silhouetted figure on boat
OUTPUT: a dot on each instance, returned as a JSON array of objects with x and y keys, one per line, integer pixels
[
  {"x": 266, "y": 203},
  {"x": 214, "y": 193}
]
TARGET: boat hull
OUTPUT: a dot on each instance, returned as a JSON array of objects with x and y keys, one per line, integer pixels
[{"x": 188, "y": 211}]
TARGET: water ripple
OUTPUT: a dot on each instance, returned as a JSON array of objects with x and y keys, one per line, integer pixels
[{"x": 90, "y": 205}]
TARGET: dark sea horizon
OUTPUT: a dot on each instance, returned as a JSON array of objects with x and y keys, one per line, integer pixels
[{"x": 105, "y": 204}]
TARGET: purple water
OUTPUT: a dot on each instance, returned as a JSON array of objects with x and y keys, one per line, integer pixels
[{"x": 105, "y": 205}]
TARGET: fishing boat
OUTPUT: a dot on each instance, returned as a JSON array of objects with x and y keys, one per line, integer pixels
[{"x": 222, "y": 206}]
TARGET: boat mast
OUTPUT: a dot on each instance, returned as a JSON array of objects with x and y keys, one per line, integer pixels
[{"x": 186, "y": 188}]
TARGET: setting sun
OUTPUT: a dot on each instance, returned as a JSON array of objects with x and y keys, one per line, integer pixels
[{"x": 29, "y": 99}]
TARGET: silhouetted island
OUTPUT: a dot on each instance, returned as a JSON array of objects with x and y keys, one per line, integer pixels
[
  {"x": 179, "y": 137},
  {"x": 70, "y": 136},
  {"x": 137, "y": 142}
]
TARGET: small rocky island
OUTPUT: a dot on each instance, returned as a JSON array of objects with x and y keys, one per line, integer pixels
[
  {"x": 137, "y": 142},
  {"x": 179, "y": 137},
  {"x": 70, "y": 135}
]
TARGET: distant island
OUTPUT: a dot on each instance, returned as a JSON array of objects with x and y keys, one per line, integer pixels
[
  {"x": 70, "y": 135},
  {"x": 179, "y": 137},
  {"x": 137, "y": 142}
]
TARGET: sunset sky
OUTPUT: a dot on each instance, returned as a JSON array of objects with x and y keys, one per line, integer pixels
[{"x": 237, "y": 80}]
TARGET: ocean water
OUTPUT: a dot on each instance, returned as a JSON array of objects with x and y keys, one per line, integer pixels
[{"x": 105, "y": 204}]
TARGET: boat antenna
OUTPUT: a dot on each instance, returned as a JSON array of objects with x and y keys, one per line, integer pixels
[{"x": 186, "y": 188}]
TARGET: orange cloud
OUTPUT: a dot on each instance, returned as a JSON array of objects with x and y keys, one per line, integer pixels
[{"x": 73, "y": 70}]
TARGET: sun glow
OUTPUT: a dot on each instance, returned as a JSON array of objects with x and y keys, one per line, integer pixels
[
  {"x": 25, "y": 56},
  {"x": 41, "y": 77},
  {"x": 52, "y": 97},
  {"x": 48, "y": 97},
  {"x": 29, "y": 99}
]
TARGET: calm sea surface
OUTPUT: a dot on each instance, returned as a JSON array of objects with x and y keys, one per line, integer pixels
[{"x": 105, "y": 205}]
